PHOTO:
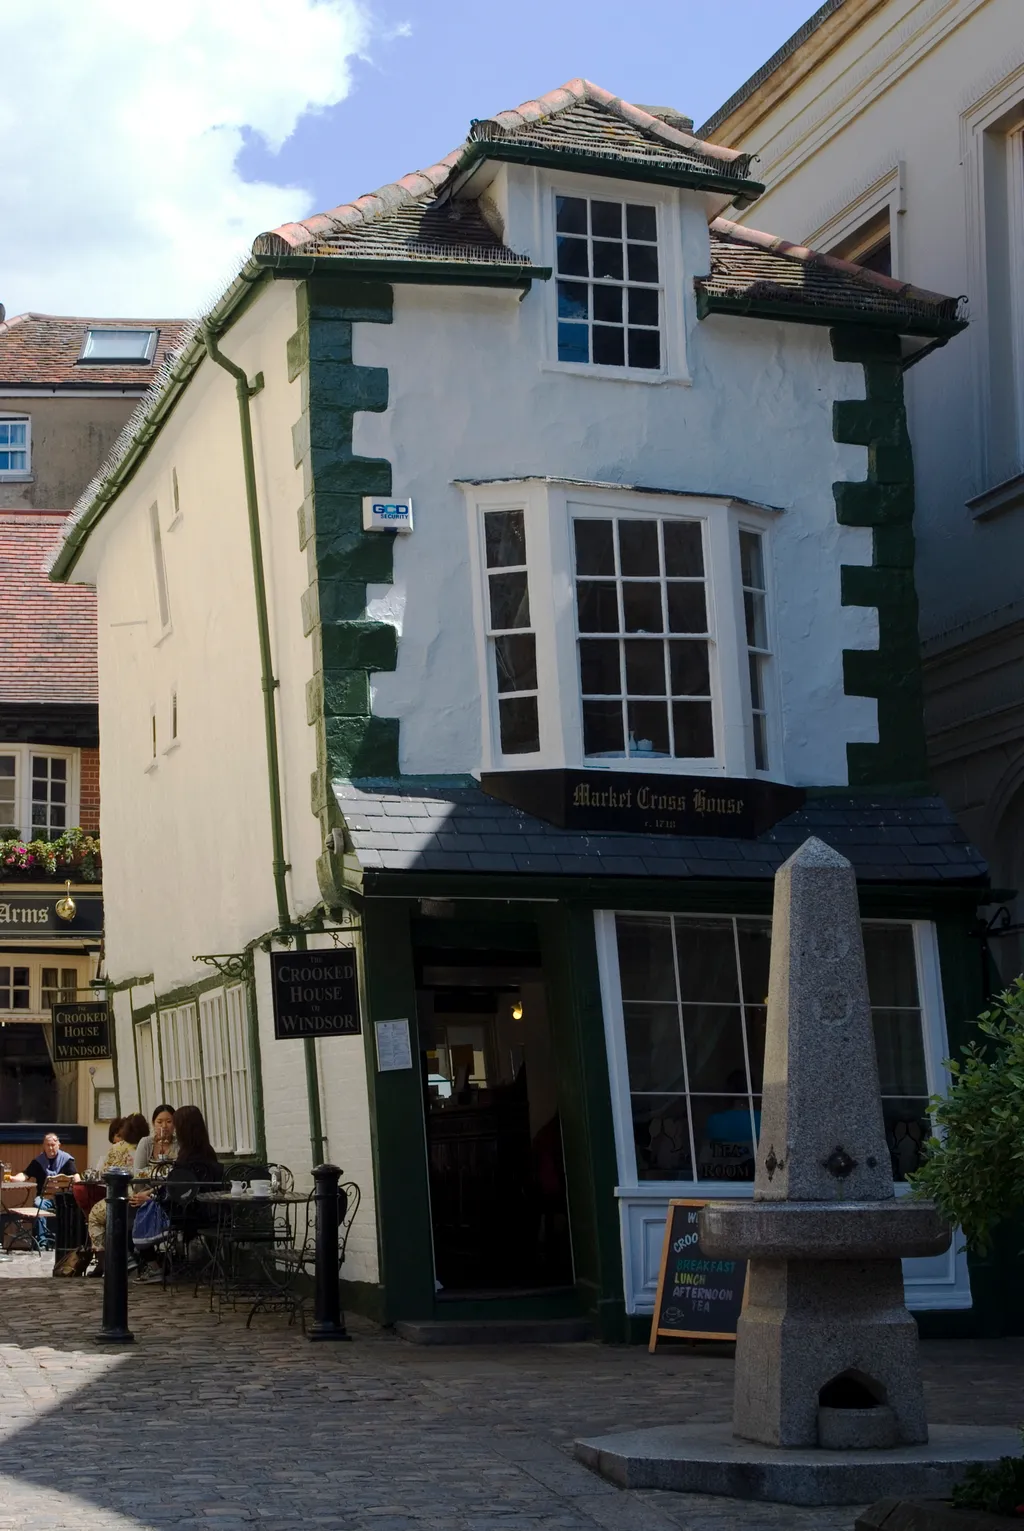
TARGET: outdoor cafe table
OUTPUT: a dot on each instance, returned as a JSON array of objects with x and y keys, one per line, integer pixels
[{"x": 254, "y": 1256}]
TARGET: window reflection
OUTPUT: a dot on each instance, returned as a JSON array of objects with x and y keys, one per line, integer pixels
[{"x": 694, "y": 992}]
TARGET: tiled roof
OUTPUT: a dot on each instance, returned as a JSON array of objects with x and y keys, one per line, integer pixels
[
  {"x": 404, "y": 219},
  {"x": 47, "y": 631},
  {"x": 399, "y": 827},
  {"x": 749, "y": 267},
  {"x": 42, "y": 350}
]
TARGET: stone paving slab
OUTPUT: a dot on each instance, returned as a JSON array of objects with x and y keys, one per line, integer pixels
[{"x": 203, "y": 1424}]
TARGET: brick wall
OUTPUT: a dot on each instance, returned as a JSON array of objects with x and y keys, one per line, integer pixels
[{"x": 89, "y": 813}]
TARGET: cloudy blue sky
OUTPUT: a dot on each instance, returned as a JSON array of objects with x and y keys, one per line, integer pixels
[{"x": 158, "y": 140}]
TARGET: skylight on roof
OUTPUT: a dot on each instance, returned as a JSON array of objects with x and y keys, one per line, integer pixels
[{"x": 119, "y": 346}]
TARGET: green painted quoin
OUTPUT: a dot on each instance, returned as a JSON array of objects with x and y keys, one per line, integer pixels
[
  {"x": 342, "y": 558},
  {"x": 884, "y": 501}
]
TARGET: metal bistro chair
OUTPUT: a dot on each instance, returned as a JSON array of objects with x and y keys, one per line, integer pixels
[
  {"x": 252, "y": 1237},
  {"x": 302, "y": 1259}
]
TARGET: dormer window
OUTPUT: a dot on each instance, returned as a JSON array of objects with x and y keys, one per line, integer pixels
[
  {"x": 122, "y": 347},
  {"x": 608, "y": 288}
]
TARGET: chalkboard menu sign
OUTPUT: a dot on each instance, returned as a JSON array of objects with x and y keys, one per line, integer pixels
[
  {"x": 80, "y": 1031},
  {"x": 698, "y": 1298},
  {"x": 316, "y": 994}
]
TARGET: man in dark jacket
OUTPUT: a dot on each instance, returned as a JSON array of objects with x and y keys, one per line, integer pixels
[{"x": 51, "y": 1161}]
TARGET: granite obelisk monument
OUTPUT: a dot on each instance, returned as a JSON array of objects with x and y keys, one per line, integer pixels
[
  {"x": 826, "y": 1351},
  {"x": 828, "y": 1406}
]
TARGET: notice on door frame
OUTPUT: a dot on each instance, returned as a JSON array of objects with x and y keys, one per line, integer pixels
[{"x": 394, "y": 1047}]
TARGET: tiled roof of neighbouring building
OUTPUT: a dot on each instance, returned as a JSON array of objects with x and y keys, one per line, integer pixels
[
  {"x": 399, "y": 827},
  {"x": 43, "y": 350},
  {"x": 405, "y": 220},
  {"x": 47, "y": 631},
  {"x": 752, "y": 268}
]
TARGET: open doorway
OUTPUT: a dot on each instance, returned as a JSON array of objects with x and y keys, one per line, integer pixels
[{"x": 494, "y": 1144}]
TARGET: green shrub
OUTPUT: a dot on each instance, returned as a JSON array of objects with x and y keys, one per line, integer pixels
[
  {"x": 974, "y": 1169},
  {"x": 999, "y": 1488}
]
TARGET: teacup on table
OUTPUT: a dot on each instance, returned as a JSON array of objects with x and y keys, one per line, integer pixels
[{"x": 260, "y": 1187}]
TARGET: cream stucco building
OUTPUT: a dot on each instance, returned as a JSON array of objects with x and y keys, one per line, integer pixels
[
  {"x": 892, "y": 131},
  {"x": 528, "y": 762}
]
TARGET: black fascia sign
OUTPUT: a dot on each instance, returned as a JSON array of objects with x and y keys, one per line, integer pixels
[{"x": 316, "y": 994}]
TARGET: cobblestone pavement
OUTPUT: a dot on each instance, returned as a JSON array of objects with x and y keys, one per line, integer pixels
[{"x": 201, "y": 1424}]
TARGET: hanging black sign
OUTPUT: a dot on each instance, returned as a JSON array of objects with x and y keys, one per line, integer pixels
[
  {"x": 80, "y": 1031},
  {"x": 660, "y": 805},
  {"x": 698, "y": 1298},
  {"x": 316, "y": 994}
]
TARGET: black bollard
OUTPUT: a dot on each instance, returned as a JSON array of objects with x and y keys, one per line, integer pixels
[
  {"x": 115, "y": 1260},
  {"x": 328, "y": 1320}
]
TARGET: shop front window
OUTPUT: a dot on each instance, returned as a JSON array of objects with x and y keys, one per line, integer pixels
[{"x": 694, "y": 1004}]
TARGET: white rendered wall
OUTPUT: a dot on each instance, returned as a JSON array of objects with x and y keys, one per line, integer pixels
[
  {"x": 893, "y": 115},
  {"x": 187, "y": 849},
  {"x": 472, "y": 394}
]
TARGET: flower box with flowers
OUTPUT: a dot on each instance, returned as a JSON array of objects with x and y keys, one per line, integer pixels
[{"x": 74, "y": 855}]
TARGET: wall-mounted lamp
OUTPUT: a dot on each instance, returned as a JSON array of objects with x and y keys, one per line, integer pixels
[
  {"x": 66, "y": 907},
  {"x": 517, "y": 1010}
]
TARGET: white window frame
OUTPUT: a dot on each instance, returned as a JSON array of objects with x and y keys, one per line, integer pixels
[
  {"x": 23, "y": 783},
  {"x": 549, "y": 506},
  {"x": 144, "y": 360},
  {"x": 35, "y": 964},
  {"x": 147, "y": 1064},
  {"x": 667, "y": 204},
  {"x": 161, "y": 588},
  {"x": 227, "y": 1069},
  {"x": 18, "y": 475},
  {"x": 938, "y": 1283},
  {"x": 181, "y": 1056},
  {"x": 174, "y": 498},
  {"x": 992, "y": 146},
  {"x": 885, "y": 194}
]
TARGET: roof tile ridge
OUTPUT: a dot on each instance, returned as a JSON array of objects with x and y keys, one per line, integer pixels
[
  {"x": 743, "y": 234},
  {"x": 663, "y": 130},
  {"x": 373, "y": 204},
  {"x": 553, "y": 101},
  {"x": 9, "y": 323}
]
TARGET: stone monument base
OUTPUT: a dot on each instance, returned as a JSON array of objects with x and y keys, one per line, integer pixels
[{"x": 709, "y": 1459}]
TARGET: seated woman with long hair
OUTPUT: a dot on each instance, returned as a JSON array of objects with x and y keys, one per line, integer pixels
[
  {"x": 120, "y": 1155},
  {"x": 197, "y": 1159}
]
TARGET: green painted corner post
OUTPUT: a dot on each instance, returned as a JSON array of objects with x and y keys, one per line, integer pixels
[
  {"x": 883, "y": 502},
  {"x": 569, "y": 952},
  {"x": 397, "y": 1118}
]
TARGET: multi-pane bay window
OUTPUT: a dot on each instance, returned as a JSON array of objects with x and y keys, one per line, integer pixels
[
  {"x": 611, "y": 630},
  {"x": 755, "y": 617},
  {"x": 510, "y": 633},
  {"x": 642, "y": 620},
  {"x": 608, "y": 289},
  {"x": 694, "y": 992},
  {"x": 38, "y": 792},
  {"x": 27, "y": 984}
]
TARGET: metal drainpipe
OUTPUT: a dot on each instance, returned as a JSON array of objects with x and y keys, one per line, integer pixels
[{"x": 245, "y": 391}]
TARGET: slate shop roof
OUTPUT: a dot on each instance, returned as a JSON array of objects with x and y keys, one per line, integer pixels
[
  {"x": 43, "y": 350},
  {"x": 756, "y": 272},
  {"x": 400, "y": 827},
  {"x": 47, "y": 631},
  {"x": 580, "y": 125}
]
